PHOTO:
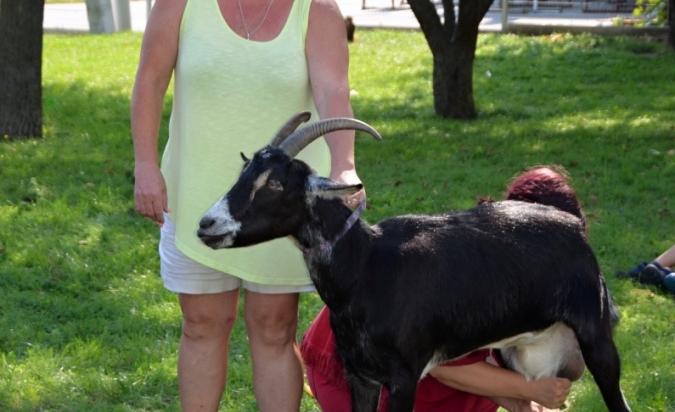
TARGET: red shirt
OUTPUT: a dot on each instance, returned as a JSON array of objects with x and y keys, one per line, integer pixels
[{"x": 318, "y": 352}]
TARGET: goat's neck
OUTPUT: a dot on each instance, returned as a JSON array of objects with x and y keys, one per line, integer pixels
[
  {"x": 350, "y": 221},
  {"x": 324, "y": 220},
  {"x": 334, "y": 269}
]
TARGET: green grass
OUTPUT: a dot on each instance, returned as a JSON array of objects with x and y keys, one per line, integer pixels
[{"x": 85, "y": 324}]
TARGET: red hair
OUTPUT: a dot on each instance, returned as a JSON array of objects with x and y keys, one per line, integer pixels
[{"x": 548, "y": 186}]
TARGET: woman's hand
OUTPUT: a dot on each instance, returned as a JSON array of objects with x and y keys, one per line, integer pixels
[
  {"x": 550, "y": 392},
  {"x": 544, "y": 395},
  {"x": 150, "y": 192},
  {"x": 350, "y": 177},
  {"x": 521, "y": 405}
]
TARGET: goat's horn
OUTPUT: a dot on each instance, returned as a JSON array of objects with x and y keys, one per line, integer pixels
[
  {"x": 303, "y": 137},
  {"x": 290, "y": 127}
]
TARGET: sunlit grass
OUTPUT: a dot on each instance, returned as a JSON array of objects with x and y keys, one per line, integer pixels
[{"x": 85, "y": 323}]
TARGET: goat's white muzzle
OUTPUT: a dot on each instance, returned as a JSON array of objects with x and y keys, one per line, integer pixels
[{"x": 217, "y": 228}]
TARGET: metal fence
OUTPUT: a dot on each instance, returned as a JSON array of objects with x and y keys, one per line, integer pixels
[{"x": 588, "y": 6}]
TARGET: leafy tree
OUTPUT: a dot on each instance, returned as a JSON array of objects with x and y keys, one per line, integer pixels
[
  {"x": 658, "y": 13},
  {"x": 453, "y": 46},
  {"x": 21, "y": 68},
  {"x": 653, "y": 11}
]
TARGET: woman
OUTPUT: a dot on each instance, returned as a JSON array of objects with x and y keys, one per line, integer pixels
[
  {"x": 658, "y": 272},
  {"x": 241, "y": 68},
  {"x": 475, "y": 382}
]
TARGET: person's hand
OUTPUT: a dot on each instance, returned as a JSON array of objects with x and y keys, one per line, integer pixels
[
  {"x": 150, "y": 193},
  {"x": 350, "y": 177},
  {"x": 521, "y": 405},
  {"x": 549, "y": 392},
  {"x": 543, "y": 395},
  {"x": 535, "y": 407}
]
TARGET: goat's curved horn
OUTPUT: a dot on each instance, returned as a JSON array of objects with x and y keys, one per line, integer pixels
[
  {"x": 303, "y": 137},
  {"x": 289, "y": 127}
]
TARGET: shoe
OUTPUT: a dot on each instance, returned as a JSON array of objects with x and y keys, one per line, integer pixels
[
  {"x": 651, "y": 275},
  {"x": 669, "y": 282},
  {"x": 633, "y": 273}
]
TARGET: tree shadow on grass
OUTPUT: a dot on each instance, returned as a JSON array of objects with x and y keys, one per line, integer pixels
[{"x": 86, "y": 323}]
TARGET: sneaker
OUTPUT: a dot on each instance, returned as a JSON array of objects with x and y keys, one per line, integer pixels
[
  {"x": 633, "y": 273},
  {"x": 669, "y": 282},
  {"x": 651, "y": 275}
]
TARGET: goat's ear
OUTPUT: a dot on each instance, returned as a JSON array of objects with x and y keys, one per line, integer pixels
[{"x": 321, "y": 187}]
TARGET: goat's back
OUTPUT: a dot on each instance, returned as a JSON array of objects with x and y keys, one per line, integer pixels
[{"x": 477, "y": 276}]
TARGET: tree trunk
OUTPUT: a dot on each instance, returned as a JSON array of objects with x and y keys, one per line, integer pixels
[
  {"x": 453, "y": 82},
  {"x": 21, "y": 68},
  {"x": 453, "y": 46},
  {"x": 671, "y": 24}
]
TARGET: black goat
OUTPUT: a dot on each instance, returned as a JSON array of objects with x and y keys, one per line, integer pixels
[{"x": 414, "y": 291}]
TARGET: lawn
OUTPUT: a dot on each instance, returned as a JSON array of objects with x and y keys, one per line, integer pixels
[{"x": 85, "y": 324}]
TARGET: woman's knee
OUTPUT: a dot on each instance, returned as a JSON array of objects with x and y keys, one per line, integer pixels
[
  {"x": 208, "y": 316},
  {"x": 271, "y": 319}
]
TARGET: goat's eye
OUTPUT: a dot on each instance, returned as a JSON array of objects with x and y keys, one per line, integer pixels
[{"x": 274, "y": 185}]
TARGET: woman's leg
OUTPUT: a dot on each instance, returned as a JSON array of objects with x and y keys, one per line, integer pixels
[
  {"x": 202, "y": 358},
  {"x": 271, "y": 324},
  {"x": 667, "y": 258}
]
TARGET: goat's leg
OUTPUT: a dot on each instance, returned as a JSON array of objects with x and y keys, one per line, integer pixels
[
  {"x": 402, "y": 399},
  {"x": 365, "y": 394},
  {"x": 602, "y": 360}
]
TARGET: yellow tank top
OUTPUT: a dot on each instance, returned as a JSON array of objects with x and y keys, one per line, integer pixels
[{"x": 231, "y": 95}]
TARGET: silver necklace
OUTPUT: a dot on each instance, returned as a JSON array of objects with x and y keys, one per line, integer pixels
[{"x": 252, "y": 32}]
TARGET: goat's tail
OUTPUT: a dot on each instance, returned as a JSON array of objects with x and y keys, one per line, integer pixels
[{"x": 612, "y": 309}]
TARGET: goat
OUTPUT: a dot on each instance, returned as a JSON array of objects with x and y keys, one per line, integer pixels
[{"x": 414, "y": 291}]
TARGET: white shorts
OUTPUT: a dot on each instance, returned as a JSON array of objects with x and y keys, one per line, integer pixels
[{"x": 182, "y": 274}]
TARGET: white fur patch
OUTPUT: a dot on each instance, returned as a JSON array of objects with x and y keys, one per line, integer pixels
[
  {"x": 435, "y": 360},
  {"x": 260, "y": 182},
  {"x": 539, "y": 354},
  {"x": 224, "y": 223}
]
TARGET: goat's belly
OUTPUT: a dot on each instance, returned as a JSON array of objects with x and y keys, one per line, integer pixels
[{"x": 550, "y": 352}]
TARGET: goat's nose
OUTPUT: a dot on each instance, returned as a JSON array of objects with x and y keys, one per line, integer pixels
[{"x": 206, "y": 222}]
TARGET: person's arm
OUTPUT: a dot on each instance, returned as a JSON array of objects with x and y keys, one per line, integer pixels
[
  {"x": 328, "y": 61},
  {"x": 157, "y": 60},
  {"x": 506, "y": 388}
]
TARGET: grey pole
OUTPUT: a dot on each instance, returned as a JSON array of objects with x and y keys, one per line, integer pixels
[
  {"x": 122, "y": 12},
  {"x": 505, "y": 16},
  {"x": 100, "y": 15}
]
